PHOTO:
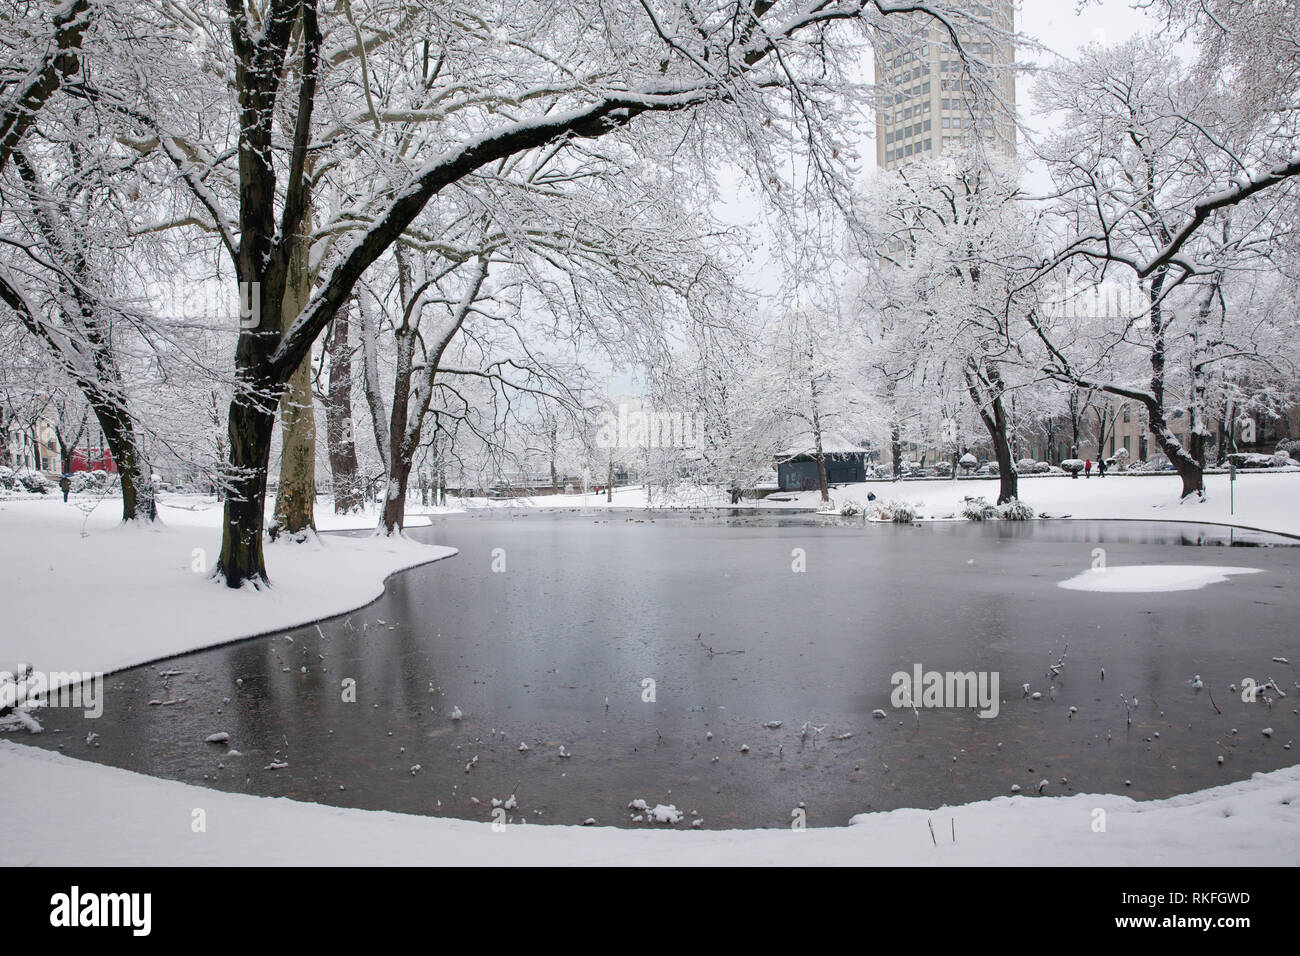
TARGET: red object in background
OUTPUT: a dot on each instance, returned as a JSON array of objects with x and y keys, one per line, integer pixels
[{"x": 92, "y": 459}]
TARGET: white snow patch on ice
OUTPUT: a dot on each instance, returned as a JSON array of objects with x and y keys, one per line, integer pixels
[{"x": 1152, "y": 577}]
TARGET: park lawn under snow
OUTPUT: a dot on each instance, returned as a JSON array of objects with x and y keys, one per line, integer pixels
[
  {"x": 1269, "y": 501},
  {"x": 82, "y": 592},
  {"x": 1266, "y": 501},
  {"x": 60, "y": 811}
]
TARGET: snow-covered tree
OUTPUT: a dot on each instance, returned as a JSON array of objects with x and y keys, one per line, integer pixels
[
  {"x": 1137, "y": 151},
  {"x": 953, "y": 239}
]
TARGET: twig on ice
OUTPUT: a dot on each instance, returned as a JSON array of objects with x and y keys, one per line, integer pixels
[{"x": 700, "y": 638}]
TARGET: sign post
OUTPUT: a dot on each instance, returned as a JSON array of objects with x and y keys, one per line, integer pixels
[{"x": 1232, "y": 488}]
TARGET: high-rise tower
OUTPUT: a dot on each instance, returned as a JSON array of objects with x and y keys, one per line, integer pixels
[{"x": 928, "y": 103}]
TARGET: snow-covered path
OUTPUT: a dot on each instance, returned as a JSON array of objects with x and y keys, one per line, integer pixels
[{"x": 60, "y": 811}]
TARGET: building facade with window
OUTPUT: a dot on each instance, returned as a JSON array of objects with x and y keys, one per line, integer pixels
[
  {"x": 929, "y": 104},
  {"x": 30, "y": 446}
]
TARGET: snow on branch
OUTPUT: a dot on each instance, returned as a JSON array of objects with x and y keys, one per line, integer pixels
[
  {"x": 59, "y": 61},
  {"x": 1244, "y": 188}
]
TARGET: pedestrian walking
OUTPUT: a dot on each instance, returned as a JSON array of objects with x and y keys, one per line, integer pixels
[{"x": 1087, "y": 468}]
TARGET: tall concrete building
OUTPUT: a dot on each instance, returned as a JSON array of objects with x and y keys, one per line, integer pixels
[{"x": 928, "y": 106}]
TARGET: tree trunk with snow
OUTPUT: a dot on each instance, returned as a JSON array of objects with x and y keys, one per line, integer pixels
[
  {"x": 296, "y": 495},
  {"x": 413, "y": 387},
  {"x": 251, "y": 424},
  {"x": 984, "y": 382},
  {"x": 339, "y": 434},
  {"x": 817, "y": 447},
  {"x": 294, "y": 512},
  {"x": 1188, "y": 467}
]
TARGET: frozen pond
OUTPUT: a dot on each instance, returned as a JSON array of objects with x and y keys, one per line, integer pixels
[{"x": 584, "y": 608}]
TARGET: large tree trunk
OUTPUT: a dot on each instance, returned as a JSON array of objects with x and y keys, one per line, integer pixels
[
  {"x": 294, "y": 513},
  {"x": 133, "y": 467},
  {"x": 1202, "y": 356},
  {"x": 1188, "y": 468},
  {"x": 339, "y": 435},
  {"x": 1008, "y": 478},
  {"x": 984, "y": 383},
  {"x": 296, "y": 496},
  {"x": 820, "y": 458},
  {"x": 402, "y": 454},
  {"x": 395, "y": 501},
  {"x": 817, "y": 446},
  {"x": 251, "y": 425}
]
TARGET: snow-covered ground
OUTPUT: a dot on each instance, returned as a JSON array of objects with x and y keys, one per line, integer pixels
[
  {"x": 94, "y": 596},
  {"x": 82, "y": 592},
  {"x": 60, "y": 811},
  {"x": 1266, "y": 501}
]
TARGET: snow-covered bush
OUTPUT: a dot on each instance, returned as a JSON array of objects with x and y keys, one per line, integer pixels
[
  {"x": 1040, "y": 468},
  {"x": 942, "y": 469},
  {"x": 6, "y": 477},
  {"x": 850, "y": 509},
  {"x": 1245, "y": 460},
  {"x": 1026, "y": 466},
  {"x": 1291, "y": 447},
  {"x": 968, "y": 462},
  {"x": 899, "y": 512},
  {"x": 1015, "y": 510},
  {"x": 990, "y": 469},
  {"x": 1072, "y": 465},
  {"x": 33, "y": 481},
  {"x": 979, "y": 509},
  {"x": 99, "y": 481}
]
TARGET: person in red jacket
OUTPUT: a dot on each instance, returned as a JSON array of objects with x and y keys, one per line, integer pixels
[{"x": 1087, "y": 468}]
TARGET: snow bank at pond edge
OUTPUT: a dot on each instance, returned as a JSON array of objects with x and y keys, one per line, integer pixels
[
  {"x": 61, "y": 811},
  {"x": 93, "y": 595}
]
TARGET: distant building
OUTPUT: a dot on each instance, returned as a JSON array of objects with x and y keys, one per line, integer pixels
[
  {"x": 90, "y": 458},
  {"x": 1246, "y": 433},
  {"x": 1122, "y": 424},
  {"x": 796, "y": 467},
  {"x": 928, "y": 106},
  {"x": 30, "y": 445}
]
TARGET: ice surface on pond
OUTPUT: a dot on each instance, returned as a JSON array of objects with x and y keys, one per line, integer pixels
[{"x": 529, "y": 668}]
